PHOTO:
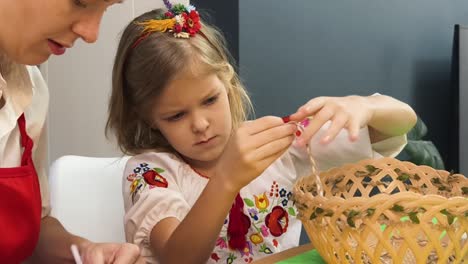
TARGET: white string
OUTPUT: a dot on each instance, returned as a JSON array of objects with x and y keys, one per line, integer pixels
[{"x": 315, "y": 172}]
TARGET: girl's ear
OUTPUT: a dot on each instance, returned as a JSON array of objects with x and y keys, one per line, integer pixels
[
  {"x": 152, "y": 125},
  {"x": 155, "y": 127}
]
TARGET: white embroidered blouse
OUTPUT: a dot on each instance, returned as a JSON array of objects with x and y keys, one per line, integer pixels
[{"x": 161, "y": 185}]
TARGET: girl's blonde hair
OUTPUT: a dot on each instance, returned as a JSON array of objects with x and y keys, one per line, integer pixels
[{"x": 140, "y": 74}]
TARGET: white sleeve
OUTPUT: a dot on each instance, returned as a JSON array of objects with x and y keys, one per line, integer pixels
[
  {"x": 151, "y": 194},
  {"x": 341, "y": 150},
  {"x": 390, "y": 147}
]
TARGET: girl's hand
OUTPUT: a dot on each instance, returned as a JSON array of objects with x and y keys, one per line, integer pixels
[
  {"x": 350, "y": 112},
  {"x": 253, "y": 147}
]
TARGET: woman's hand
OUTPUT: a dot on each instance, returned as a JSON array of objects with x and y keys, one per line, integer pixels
[
  {"x": 92, "y": 253},
  {"x": 253, "y": 147}
]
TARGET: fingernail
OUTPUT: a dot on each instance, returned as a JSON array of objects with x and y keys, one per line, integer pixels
[
  {"x": 286, "y": 119},
  {"x": 298, "y": 133},
  {"x": 326, "y": 139}
]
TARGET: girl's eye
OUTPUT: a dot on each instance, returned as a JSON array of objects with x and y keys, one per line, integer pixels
[
  {"x": 175, "y": 117},
  {"x": 80, "y": 3},
  {"x": 211, "y": 100}
]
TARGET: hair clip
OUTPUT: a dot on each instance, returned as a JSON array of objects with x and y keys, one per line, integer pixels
[{"x": 182, "y": 21}]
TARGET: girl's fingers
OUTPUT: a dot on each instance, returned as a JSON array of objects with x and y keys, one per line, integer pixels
[
  {"x": 256, "y": 126},
  {"x": 309, "y": 109},
  {"x": 270, "y": 152},
  {"x": 338, "y": 123},
  {"x": 353, "y": 130},
  {"x": 315, "y": 124},
  {"x": 272, "y": 134}
]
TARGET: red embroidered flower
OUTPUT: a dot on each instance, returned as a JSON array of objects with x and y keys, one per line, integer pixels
[
  {"x": 215, "y": 257},
  {"x": 192, "y": 22},
  {"x": 153, "y": 178},
  {"x": 277, "y": 221},
  {"x": 131, "y": 177},
  {"x": 275, "y": 242}
]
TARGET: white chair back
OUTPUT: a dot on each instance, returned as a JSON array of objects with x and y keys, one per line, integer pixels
[{"x": 86, "y": 196}]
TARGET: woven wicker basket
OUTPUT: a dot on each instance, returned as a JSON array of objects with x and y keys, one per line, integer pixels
[{"x": 386, "y": 211}]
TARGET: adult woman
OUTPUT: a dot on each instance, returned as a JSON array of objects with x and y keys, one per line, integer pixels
[{"x": 30, "y": 31}]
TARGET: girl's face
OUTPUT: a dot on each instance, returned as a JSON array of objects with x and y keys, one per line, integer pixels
[
  {"x": 32, "y": 30},
  {"x": 194, "y": 116}
]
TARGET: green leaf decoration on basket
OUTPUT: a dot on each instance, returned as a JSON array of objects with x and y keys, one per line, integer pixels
[
  {"x": 450, "y": 217},
  {"x": 465, "y": 190}
]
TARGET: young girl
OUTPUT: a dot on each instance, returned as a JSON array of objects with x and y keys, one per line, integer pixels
[{"x": 206, "y": 185}]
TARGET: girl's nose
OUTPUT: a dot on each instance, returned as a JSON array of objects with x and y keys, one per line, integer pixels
[{"x": 200, "y": 124}]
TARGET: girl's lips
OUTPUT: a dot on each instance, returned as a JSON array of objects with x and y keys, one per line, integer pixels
[
  {"x": 56, "y": 48},
  {"x": 205, "y": 141}
]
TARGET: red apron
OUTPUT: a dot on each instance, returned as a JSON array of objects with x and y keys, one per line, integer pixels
[{"x": 20, "y": 205}]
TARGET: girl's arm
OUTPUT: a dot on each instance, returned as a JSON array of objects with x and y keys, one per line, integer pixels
[
  {"x": 250, "y": 150},
  {"x": 385, "y": 116},
  {"x": 390, "y": 117},
  {"x": 193, "y": 239}
]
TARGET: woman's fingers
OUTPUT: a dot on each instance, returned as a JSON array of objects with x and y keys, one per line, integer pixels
[{"x": 128, "y": 253}]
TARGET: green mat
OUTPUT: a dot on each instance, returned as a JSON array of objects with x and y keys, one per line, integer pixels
[{"x": 311, "y": 257}]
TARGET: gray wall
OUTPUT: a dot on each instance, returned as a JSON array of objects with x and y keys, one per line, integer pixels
[
  {"x": 463, "y": 79},
  {"x": 291, "y": 51}
]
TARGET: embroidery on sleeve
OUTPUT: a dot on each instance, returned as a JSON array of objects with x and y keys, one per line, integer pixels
[{"x": 144, "y": 177}]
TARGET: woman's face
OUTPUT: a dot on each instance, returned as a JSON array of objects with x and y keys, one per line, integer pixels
[{"x": 32, "y": 30}]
